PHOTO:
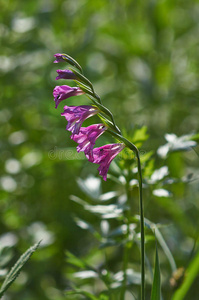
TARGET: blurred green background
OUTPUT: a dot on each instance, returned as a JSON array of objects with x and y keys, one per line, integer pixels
[{"x": 143, "y": 59}]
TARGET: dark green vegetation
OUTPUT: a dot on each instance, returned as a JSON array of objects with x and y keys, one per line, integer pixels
[{"x": 143, "y": 61}]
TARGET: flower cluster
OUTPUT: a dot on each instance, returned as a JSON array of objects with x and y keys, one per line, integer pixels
[{"x": 75, "y": 115}]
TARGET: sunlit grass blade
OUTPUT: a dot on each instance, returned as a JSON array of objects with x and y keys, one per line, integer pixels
[
  {"x": 76, "y": 291},
  {"x": 156, "y": 288},
  {"x": 75, "y": 261},
  {"x": 14, "y": 272},
  {"x": 191, "y": 273},
  {"x": 162, "y": 243}
]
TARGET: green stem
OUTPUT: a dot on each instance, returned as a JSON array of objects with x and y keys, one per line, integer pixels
[
  {"x": 135, "y": 150},
  {"x": 141, "y": 228},
  {"x": 89, "y": 92},
  {"x": 107, "y": 112}
]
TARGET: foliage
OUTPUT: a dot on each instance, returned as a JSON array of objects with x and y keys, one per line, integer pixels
[
  {"x": 156, "y": 288},
  {"x": 15, "y": 271},
  {"x": 142, "y": 59}
]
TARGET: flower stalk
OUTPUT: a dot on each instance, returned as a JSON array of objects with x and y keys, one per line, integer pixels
[
  {"x": 141, "y": 207},
  {"x": 86, "y": 137}
]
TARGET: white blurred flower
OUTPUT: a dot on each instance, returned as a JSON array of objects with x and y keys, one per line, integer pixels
[
  {"x": 12, "y": 166},
  {"x": 8, "y": 183}
]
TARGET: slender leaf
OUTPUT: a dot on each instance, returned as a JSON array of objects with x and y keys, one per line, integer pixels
[
  {"x": 83, "y": 293},
  {"x": 82, "y": 78},
  {"x": 75, "y": 261},
  {"x": 182, "y": 143},
  {"x": 162, "y": 242},
  {"x": 14, "y": 272},
  {"x": 191, "y": 274},
  {"x": 72, "y": 61},
  {"x": 156, "y": 288},
  {"x": 85, "y": 274}
]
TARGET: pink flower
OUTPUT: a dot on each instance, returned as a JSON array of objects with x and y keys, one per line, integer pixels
[
  {"x": 87, "y": 137},
  {"x": 59, "y": 58},
  {"x": 104, "y": 156},
  {"x": 63, "y": 92},
  {"x": 65, "y": 74},
  {"x": 75, "y": 115}
]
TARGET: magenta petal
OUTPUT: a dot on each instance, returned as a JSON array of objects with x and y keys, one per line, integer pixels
[
  {"x": 104, "y": 156},
  {"x": 63, "y": 92},
  {"x": 65, "y": 74},
  {"x": 75, "y": 115},
  {"x": 87, "y": 137},
  {"x": 59, "y": 58}
]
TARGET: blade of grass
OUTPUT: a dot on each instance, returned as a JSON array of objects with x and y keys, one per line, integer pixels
[
  {"x": 156, "y": 287},
  {"x": 14, "y": 272},
  {"x": 162, "y": 243},
  {"x": 191, "y": 273}
]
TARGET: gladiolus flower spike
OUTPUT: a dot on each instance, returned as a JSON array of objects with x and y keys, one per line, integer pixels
[
  {"x": 63, "y": 92},
  {"x": 86, "y": 136},
  {"x": 76, "y": 115}
]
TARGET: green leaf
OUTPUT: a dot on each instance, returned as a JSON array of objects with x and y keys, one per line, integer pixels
[
  {"x": 78, "y": 200},
  {"x": 191, "y": 274},
  {"x": 140, "y": 135},
  {"x": 73, "y": 260},
  {"x": 156, "y": 288},
  {"x": 14, "y": 272},
  {"x": 91, "y": 186},
  {"x": 162, "y": 242},
  {"x": 82, "y": 78},
  {"x": 145, "y": 156},
  {"x": 87, "y": 226},
  {"x": 195, "y": 137},
  {"x": 133, "y": 277},
  {"x": 110, "y": 211},
  {"x": 71, "y": 61},
  {"x": 182, "y": 143},
  {"x": 104, "y": 297},
  {"x": 85, "y": 88},
  {"x": 106, "y": 121},
  {"x": 86, "y": 274},
  {"x": 159, "y": 174},
  {"x": 108, "y": 243},
  {"x": 83, "y": 293},
  {"x": 161, "y": 193}
]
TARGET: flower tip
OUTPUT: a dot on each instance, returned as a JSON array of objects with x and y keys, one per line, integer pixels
[
  {"x": 89, "y": 156},
  {"x": 104, "y": 177},
  {"x": 65, "y": 74},
  {"x": 58, "y": 55},
  {"x": 59, "y": 58}
]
